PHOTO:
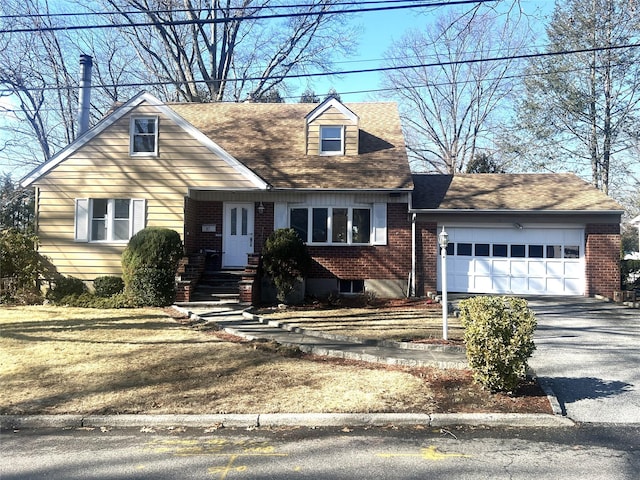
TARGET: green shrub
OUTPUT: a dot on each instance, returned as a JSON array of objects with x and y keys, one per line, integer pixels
[
  {"x": 107, "y": 286},
  {"x": 285, "y": 259},
  {"x": 65, "y": 286},
  {"x": 18, "y": 258},
  {"x": 152, "y": 287},
  {"x": 149, "y": 265},
  {"x": 88, "y": 300},
  {"x": 152, "y": 247},
  {"x": 499, "y": 339}
]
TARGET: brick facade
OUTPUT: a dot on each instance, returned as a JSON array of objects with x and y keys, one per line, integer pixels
[
  {"x": 385, "y": 262},
  {"x": 426, "y": 258},
  {"x": 198, "y": 213},
  {"x": 602, "y": 257}
]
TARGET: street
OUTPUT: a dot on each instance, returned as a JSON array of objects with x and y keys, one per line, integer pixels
[{"x": 584, "y": 451}]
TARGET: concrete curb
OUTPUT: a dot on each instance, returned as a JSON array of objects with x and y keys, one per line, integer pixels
[{"x": 17, "y": 422}]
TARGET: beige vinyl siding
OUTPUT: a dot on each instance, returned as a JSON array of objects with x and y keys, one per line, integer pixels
[
  {"x": 103, "y": 168},
  {"x": 332, "y": 117}
]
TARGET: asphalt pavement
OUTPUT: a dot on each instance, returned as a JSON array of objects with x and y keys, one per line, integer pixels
[{"x": 588, "y": 351}]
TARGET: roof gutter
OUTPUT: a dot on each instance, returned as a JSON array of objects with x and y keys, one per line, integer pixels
[{"x": 444, "y": 211}]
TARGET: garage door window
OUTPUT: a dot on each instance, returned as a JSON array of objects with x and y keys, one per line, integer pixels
[
  {"x": 501, "y": 250},
  {"x": 554, "y": 251},
  {"x": 464, "y": 249},
  {"x": 482, "y": 249},
  {"x": 571, "y": 252},
  {"x": 536, "y": 251}
]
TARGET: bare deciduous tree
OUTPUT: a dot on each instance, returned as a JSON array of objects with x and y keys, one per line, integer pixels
[{"x": 238, "y": 55}]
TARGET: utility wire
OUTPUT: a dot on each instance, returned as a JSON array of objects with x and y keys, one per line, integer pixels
[
  {"x": 206, "y": 9},
  {"x": 206, "y": 21},
  {"x": 359, "y": 71}
]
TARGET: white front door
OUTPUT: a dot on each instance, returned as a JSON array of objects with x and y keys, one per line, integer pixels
[{"x": 238, "y": 234}]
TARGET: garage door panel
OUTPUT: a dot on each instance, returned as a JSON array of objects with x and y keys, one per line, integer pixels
[
  {"x": 573, "y": 286},
  {"x": 537, "y": 269},
  {"x": 520, "y": 268},
  {"x": 500, "y": 267},
  {"x": 555, "y": 269},
  {"x": 520, "y": 261},
  {"x": 482, "y": 284},
  {"x": 482, "y": 266}
]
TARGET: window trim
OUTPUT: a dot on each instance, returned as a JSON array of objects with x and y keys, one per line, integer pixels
[
  {"x": 327, "y": 153},
  {"x": 84, "y": 219},
  {"x": 133, "y": 134},
  {"x": 330, "y": 224}
]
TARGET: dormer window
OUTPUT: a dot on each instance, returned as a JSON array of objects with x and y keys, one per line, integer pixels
[
  {"x": 144, "y": 136},
  {"x": 332, "y": 129},
  {"x": 331, "y": 140}
]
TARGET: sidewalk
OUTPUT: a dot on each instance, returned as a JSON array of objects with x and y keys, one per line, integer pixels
[{"x": 235, "y": 320}]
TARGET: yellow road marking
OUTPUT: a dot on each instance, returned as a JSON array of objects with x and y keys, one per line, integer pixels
[{"x": 429, "y": 453}]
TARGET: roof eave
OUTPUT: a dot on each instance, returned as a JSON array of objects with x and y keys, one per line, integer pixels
[{"x": 510, "y": 211}]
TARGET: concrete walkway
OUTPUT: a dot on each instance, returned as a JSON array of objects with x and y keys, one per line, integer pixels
[
  {"x": 233, "y": 319},
  {"x": 588, "y": 351}
]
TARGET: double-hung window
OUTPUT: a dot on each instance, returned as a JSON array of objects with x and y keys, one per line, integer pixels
[
  {"x": 333, "y": 225},
  {"x": 144, "y": 136},
  {"x": 108, "y": 219},
  {"x": 331, "y": 140}
]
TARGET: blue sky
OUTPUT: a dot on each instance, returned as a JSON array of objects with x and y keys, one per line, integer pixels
[{"x": 379, "y": 31}]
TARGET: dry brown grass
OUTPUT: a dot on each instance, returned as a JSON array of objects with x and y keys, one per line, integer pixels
[
  {"x": 58, "y": 360},
  {"x": 401, "y": 323}
]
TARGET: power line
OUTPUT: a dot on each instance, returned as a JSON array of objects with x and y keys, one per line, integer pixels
[
  {"x": 207, "y": 21},
  {"x": 203, "y": 9},
  {"x": 358, "y": 71}
]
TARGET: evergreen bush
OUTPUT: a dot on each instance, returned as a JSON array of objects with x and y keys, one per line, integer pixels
[
  {"x": 499, "y": 339},
  {"x": 107, "y": 286},
  {"x": 18, "y": 258},
  {"x": 152, "y": 287},
  {"x": 63, "y": 287},
  {"x": 149, "y": 265},
  {"x": 285, "y": 259}
]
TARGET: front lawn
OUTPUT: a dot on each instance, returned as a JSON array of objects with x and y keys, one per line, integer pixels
[{"x": 56, "y": 360}]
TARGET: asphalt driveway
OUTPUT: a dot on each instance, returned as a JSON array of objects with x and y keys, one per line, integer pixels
[{"x": 589, "y": 352}]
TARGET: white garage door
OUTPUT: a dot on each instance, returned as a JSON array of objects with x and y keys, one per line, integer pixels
[{"x": 536, "y": 261}]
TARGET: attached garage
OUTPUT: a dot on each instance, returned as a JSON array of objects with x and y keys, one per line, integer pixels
[
  {"x": 531, "y": 261},
  {"x": 523, "y": 234}
]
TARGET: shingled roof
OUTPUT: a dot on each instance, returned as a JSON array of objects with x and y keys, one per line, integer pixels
[
  {"x": 509, "y": 192},
  {"x": 270, "y": 139}
]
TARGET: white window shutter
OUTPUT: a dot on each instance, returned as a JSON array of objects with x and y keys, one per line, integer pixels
[
  {"x": 379, "y": 224},
  {"x": 138, "y": 214},
  {"x": 280, "y": 217},
  {"x": 81, "y": 220}
]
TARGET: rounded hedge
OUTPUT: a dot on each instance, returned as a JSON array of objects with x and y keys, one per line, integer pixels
[
  {"x": 152, "y": 247},
  {"x": 149, "y": 265},
  {"x": 499, "y": 339}
]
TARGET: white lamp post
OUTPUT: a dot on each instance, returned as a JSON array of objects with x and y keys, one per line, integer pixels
[{"x": 443, "y": 239}]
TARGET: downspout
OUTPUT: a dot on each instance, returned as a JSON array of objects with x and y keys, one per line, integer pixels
[
  {"x": 412, "y": 290},
  {"x": 84, "y": 95}
]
